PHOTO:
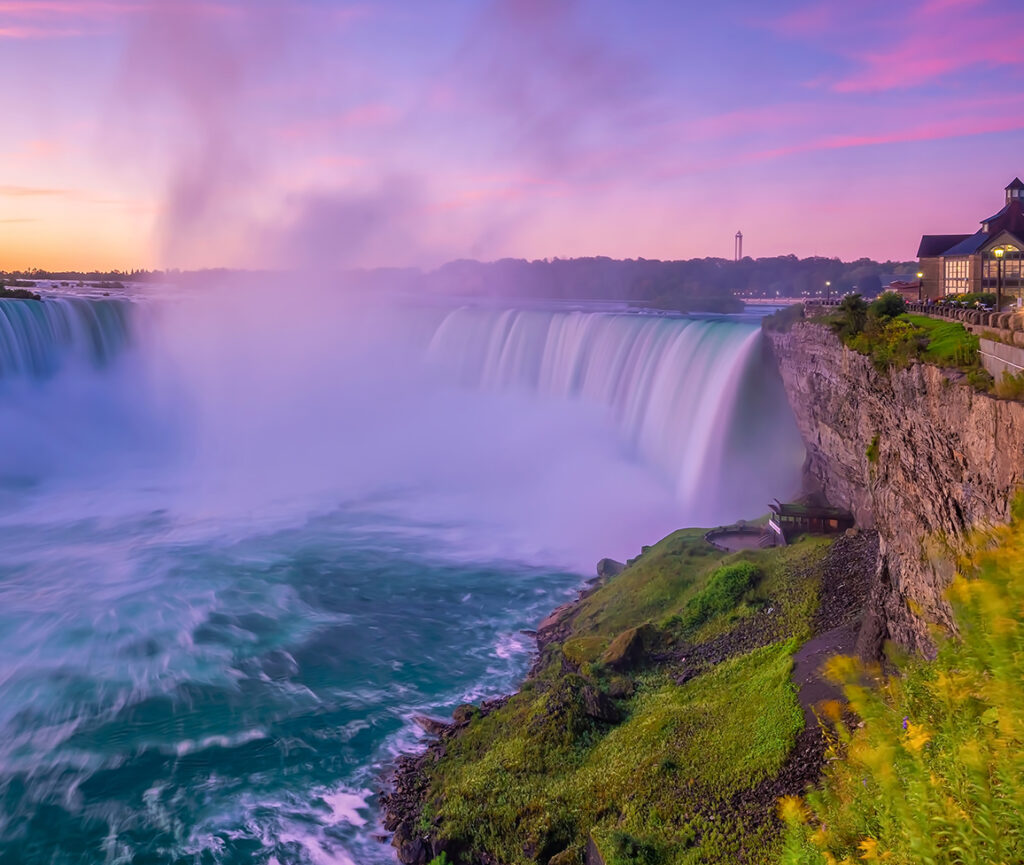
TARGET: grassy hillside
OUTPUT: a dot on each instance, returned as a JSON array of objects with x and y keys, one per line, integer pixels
[{"x": 668, "y": 696}]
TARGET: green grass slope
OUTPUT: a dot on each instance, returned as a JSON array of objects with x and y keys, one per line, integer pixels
[{"x": 610, "y": 747}]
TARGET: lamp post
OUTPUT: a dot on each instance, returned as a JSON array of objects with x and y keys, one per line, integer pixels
[
  {"x": 999, "y": 253},
  {"x": 828, "y": 291},
  {"x": 920, "y": 286}
]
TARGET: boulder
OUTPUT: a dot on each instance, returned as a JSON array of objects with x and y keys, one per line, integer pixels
[
  {"x": 410, "y": 846},
  {"x": 620, "y": 687},
  {"x": 593, "y": 855},
  {"x": 431, "y": 726},
  {"x": 557, "y": 617},
  {"x": 609, "y": 568},
  {"x": 599, "y": 706},
  {"x": 465, "y": 713},
  {"x": 629, "y": 648},
  {"x": 566, "y": 857}
]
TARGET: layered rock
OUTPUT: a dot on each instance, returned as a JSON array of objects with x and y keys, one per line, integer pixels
[{"x": 916, "y": 453}]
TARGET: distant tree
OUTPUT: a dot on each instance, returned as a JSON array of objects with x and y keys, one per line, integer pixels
[
  {"x": 888, "y": 305},
  {"x": 870, "y": 285}
]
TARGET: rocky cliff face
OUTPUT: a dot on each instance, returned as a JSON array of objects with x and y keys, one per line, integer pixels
[{"x": 916, "y": 453}]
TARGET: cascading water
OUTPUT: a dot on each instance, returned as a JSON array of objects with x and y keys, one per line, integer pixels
[
  {"x": 244, "y": 540},
  {"x": 38, "y": 339},
  {"x": 671, "y": 385}
]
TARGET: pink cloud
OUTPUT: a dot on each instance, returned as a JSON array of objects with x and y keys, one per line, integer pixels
[
  {"x": 489, "y": 189},
  {"x": 32, "y": 192},
  {"x": 64, "y": 7},
  {"x": 58, "y": 19},
  {"x": 901, "y": 46},
  {"x": 954, "y": 128},
  {"x": 39, "y": 150}
]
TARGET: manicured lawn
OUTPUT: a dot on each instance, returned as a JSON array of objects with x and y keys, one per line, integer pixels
[{"x": 949, "y": 343}]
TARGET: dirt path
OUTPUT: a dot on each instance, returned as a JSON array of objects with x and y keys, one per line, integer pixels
[{"x": 808, "y": 661}]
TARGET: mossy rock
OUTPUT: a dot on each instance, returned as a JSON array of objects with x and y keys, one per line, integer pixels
[
  {"x": 465, "y": 713},
  {"x": 572, "y": 856},
  {"x": 630, "y": 647},
  {"x": 583, "y": 650},
  {"x": 621, "y": 687}
]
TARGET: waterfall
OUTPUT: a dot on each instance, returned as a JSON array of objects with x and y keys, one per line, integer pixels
[
  {"x": 672, "y": 385},
  {"x": 259, "y": 399},
  {"x": 38, "y": 339}
]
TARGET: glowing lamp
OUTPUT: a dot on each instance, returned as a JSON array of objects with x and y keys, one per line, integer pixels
[{"x": 999, "y": 253}]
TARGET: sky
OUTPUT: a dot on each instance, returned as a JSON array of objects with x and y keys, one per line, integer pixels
[{"x": 263, "y": 133}]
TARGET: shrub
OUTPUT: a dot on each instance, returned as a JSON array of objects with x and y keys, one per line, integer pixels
[
  {"x": 890, "y": 342},
  {"x": 628, "y": 850},
  {"x": 1010, "y": 386},
  {"x": 851, "y": 316},
  {"x": 980, "y": 379},
  {"x": 18, "y": 294},
  {"x": 888, "y": 305},
  {"x": 783, "y": 319},
  {"x": 723, "y": 592}
]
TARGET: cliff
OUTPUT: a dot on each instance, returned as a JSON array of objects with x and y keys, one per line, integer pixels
[{"x": 916, "y": 453}]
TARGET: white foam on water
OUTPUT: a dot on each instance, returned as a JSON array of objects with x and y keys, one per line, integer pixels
[
  {"x": 191, "y": 746},
  {"x": 513, "y": 645},
  {"x": 346, "y": 805}
]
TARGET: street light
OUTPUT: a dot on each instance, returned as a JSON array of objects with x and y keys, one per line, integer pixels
[
  {"x": 999, "y": 253},
  {"x": 828, "y": 290},
  {"x": 920, "y": 286}
]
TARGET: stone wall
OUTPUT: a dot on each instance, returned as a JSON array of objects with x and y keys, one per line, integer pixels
[
  {"x": 916, "y": 453},
  {"x": 998, "y": 357}
]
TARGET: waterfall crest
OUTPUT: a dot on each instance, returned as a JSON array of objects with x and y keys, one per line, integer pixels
[
  {"x": 677, "y": 388},
  {"x": 40, "y": 338}
]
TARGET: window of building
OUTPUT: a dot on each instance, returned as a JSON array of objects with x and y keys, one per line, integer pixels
[
  {"x": 957, "y": 275},
  {"x": 1012, "y": 271}
]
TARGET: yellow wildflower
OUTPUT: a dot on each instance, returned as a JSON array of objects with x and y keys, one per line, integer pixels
[
  {"x": 791, "y": 809},
  {"x": 832, "y": 710},
  {"x": 868, "y": 850},
  {"x": 917, "y": 737}
]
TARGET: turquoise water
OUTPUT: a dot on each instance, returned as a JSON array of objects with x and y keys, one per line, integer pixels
[{"x": 242, "y": 548}]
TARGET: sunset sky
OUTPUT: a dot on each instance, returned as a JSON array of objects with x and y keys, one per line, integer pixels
[{"x": 244, "y": 132}]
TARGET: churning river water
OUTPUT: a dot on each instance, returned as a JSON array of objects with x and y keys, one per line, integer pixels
[{"x": 243, "y": 540}]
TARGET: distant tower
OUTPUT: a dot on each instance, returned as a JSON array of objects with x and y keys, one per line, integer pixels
[{"x": 739, "y": 246}]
